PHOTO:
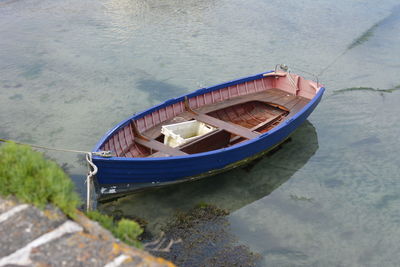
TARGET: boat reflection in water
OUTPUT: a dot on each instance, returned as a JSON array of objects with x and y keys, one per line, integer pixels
[{"x": 231, "y": 190}]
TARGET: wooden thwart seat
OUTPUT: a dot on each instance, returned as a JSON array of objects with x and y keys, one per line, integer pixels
[
  {"x": 229, "y": 127},
  {"x": 156, "y": 145},
  {"x": 197, "y": 146}
]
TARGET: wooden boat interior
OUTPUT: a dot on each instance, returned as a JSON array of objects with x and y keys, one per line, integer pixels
[{"x": 238, "y": 112}]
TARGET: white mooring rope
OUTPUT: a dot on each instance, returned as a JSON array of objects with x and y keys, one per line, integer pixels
[{"x": 92, "y": 170}]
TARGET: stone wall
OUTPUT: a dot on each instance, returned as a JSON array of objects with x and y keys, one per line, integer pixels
[{"x": 34, "y": 237}]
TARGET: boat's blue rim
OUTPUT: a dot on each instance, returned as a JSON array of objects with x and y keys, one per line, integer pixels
[{"x": 193, "y": 94}]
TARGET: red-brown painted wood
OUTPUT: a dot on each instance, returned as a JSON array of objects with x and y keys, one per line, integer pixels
[{"x": 243, "y": 104}]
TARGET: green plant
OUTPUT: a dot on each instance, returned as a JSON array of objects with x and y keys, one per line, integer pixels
[
  {"x": 128, "y": 231},
  {"x": 104, "y": 220},
  {"x": 124, "y": 229},
  {"x": 27, "y": 175},
  {"x": 202, "y": 205},
  {"x": 30, "y": 177}
]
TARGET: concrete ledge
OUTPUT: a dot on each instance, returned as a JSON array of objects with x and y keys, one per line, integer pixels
[{"x": 33, "y": 237}]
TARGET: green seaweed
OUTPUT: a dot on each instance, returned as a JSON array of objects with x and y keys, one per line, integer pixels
[
  {"x": 123, "y": 229},
  {"x": 16, "y": 97},
  {"x": 370, "y": 32},
  {"x": 202, "y": 205},
  {"x": 9, "y": 84},
  {"x": 301, "y": 198},
  {"x": 27, "y": 175},
  {"x": 364, "y": 37},
  {"x": 391, "y": 90},
  {"x": 206, "y": 240}
]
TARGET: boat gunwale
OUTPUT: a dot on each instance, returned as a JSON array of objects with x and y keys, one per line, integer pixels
[{"x": 318, "y": 95}]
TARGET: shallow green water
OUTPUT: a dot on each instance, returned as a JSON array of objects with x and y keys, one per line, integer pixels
[{"x": 70, "y": 70}]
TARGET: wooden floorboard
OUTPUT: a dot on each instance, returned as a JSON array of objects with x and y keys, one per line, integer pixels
[
  {"x": 229, "y": 127},
  {"x": 266, "y": 122},
  {"x": 261, "y": 125}
]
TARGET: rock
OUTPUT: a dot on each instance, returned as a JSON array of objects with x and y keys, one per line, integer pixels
[{"x": 34, "y": 237}]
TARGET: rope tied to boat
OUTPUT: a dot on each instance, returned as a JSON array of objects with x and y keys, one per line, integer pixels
[
  {"x": 92, "y": 168},
  {"x": 105, "y": 153},
  {"x": 288, "y": 70}
]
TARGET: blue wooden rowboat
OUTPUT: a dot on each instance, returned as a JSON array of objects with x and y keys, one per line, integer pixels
[{"x": 245, "y": 117}]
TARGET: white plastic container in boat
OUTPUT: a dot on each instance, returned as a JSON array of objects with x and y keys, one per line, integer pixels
[{"x": 181, "y": 133}]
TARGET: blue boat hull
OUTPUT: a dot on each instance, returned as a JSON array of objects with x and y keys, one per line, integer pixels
[{"x": 166, "y": 170}]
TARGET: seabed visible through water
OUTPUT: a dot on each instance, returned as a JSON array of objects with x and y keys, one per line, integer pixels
[{"x": 69, "y": 71}]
